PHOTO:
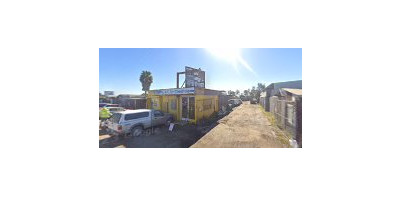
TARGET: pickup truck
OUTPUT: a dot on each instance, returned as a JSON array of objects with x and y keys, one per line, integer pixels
[{"x": 136, "y": 121}]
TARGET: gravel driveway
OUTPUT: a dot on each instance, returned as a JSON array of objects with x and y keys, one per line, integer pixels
[{"x": 246, "y": 127}]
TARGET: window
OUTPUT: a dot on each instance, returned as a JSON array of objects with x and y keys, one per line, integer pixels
[
  {"x": 207, "y": 104},
  {"x": 155, "y": 103},
  {"x": 173, "y": 104},
  {"x": 158, "y": 114},
  {"x": 115, "y": 118},
  {"x": 116, "y": 109},
  {"x": 136, "y": 115}
]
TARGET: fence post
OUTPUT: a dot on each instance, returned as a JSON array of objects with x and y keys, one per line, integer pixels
[{"x": 299, "y": 121}]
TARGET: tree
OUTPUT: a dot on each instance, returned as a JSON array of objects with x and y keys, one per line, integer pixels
[
  {"x": 231, "y": 93},
  {"x": 146, "y": 79},
  {"x": 253, "y": 92},
  {"x": 237, "y": 92},
  {"x": 246, "y": 92},
  {"x": 260, "y": 87}
]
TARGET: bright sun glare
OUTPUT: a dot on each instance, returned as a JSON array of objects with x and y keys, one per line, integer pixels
[
  {"x": 231, "y": 55},
  {"x": 228, "y": 54}
]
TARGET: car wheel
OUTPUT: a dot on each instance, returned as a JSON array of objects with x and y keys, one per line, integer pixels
[
  {"x": 136, "y": 131},
  {"x": 168, "y": 122}
]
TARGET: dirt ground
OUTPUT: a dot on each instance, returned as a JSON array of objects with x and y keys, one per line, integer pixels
[{"x": 246, "y": 127}]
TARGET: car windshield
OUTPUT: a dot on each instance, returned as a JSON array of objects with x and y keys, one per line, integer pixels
[{"x": 115, "y": 118}]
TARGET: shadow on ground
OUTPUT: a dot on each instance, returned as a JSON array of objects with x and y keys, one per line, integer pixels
[{"x": 181, "y": 137}]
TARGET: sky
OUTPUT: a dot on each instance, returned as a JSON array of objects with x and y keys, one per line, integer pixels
[{"x": 225, "y": 68}]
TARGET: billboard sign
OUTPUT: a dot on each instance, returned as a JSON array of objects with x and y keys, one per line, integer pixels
[{"x": 194, "y": 78}]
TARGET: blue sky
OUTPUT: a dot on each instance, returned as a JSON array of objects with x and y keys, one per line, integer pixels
[{"x": 226, "y": 69}]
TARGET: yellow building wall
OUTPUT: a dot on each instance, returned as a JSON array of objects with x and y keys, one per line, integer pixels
[
  {"x": 170, "y": 105},
  {"x": 205, "y": 105},
  {"x": 154, "y": 102}
]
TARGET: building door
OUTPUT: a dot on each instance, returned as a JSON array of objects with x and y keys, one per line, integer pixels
[
  {"x": 191, "y": 108},
  {"x": 188, "y": 108}
]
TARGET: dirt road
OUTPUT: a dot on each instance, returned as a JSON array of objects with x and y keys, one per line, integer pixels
[{"x": 246, "y": 127}]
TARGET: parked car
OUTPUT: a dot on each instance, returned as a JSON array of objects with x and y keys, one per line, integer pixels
[
  {"x": 101, "y": 105},
  {"x": 235, "y": 102},
  {"x": 253, "y": 101},
  {"x": 136, "y": 121},
  {"x": 113, "y": 109}
]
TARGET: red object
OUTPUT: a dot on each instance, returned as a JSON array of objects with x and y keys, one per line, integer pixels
[{"x": 119, "y": 128}]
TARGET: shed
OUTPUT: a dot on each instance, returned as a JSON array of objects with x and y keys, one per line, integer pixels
[{"x": 274, "y": 88}]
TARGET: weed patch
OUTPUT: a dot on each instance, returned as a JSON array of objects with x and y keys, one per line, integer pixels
[{"x": 282, "y": 135}]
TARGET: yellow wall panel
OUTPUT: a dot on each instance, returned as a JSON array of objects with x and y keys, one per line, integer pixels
[{"x": 205, "y": 105}]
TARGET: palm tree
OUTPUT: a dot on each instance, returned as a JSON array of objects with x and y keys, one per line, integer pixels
[{"x": 146, "y": 79}]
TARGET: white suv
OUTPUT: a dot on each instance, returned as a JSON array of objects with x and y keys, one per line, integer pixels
[{"x": 135, "y": 121}]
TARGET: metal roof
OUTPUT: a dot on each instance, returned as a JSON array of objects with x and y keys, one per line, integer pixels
[
  {"x": 139, "y": 98},
  {"x": 263, "y": 94},
  {"x": 293, "y": 91},
  {"x": 286, "y": 84}
]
